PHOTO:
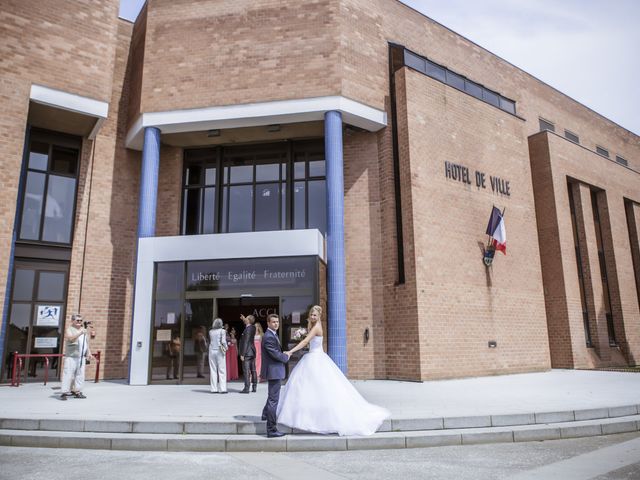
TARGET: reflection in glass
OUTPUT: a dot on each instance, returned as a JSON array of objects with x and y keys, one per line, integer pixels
[
  {"x": 209, "y": 208},
  {"x": 240, "y": 208},
  {"x": 299, "y": 169},
  {"x": 267, "y": 207},
  {"x": 51, "y": 286},
  {"x": 23, "y": 284},
  {"x": 39, "y": 156},
  {"x": 169, "y": 279},
  {"x": 58, "y": 210},
  {"x": 210, "y": 176},
  {"x": 270, "y": 172},
  {"x": 242, "y": 173},
  {"x": 299, "y": 205},
  {"x": 283, "y": 206},
  {"x": 191, "y": 212},
  {"x": 32, "y": 207},
  {"x": 317, "y": 205},
  {"x": 21, "y": 315},
  {"x": 317, "y": 168}
]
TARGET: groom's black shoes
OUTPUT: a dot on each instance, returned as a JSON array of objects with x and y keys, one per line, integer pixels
[{"x": 275, "y": 434}]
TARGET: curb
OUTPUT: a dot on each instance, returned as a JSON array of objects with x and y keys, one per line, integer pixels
[
  {"x": 247, "y": 427},
  {"x": 306, "y": 442}
]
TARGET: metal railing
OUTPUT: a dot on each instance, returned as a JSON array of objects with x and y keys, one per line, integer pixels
[{"x": 18, "y": 364}]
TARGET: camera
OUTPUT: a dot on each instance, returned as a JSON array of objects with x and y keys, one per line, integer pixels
[{"x": 86, "y": 323}]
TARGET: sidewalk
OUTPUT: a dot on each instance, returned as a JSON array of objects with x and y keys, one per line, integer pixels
[
  {"x": 511, "y": 408},
  {"x": 553, "y": 391}
]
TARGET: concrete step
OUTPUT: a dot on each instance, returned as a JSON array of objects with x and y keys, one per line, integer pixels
[
  {"x": 306, "y": 442},
  {"x": 249, "y": 425}
]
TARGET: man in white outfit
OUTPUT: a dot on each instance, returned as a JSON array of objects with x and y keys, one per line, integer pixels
[{"x": 76, "y": 356}]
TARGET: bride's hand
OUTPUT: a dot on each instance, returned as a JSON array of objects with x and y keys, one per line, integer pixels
[{"x": 288, "y": 352}]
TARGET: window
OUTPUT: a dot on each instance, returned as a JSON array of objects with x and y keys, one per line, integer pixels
[
  {"x": 571, "y": 136},
  {"x": 602, "y": 151},
  {"x": 622, "y": 161},
  {"x": 436, "y": 71},
  {"x": 455, "y": 80},
  {"x": 546, "y": 125},
  {"x": 48, "y": 203},
  {"x": 36, "y": 314},
  {"x": 249, "y": 188}
]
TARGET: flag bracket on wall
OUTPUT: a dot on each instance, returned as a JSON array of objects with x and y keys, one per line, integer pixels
[{"x": 497, "y": 236}]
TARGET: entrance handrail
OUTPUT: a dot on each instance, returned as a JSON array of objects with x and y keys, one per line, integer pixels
[{"x": 17, "y": 362}]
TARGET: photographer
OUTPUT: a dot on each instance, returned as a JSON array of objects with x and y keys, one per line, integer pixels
[{"x": 76, "y": 357}]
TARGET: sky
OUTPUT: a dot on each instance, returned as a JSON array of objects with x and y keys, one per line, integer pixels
[{"x": 587, "y": 49}]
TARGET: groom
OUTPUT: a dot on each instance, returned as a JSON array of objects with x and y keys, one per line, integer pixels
[{"x": 273, "y": 361}]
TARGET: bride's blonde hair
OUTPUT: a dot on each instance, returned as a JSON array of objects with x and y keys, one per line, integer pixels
[{"x": 318, "y": 310}]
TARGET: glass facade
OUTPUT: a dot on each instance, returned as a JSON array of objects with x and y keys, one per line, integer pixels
[
  {"x": 189, "y": 295},
  {"x": 249, "y": 188}
]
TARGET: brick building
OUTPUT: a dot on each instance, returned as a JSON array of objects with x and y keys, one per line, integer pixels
[{"x": 218, "y": 158}]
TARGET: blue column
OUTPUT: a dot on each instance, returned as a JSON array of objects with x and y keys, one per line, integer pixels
[
  {"x": 149, "y": 183},
  {"x": 336, "y": 291}
]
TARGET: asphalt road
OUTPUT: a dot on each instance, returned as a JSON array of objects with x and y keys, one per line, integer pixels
[{"x": 613, "y": 457}]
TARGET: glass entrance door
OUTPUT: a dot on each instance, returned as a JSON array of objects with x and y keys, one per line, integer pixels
[{"x": 198, "y": 319}]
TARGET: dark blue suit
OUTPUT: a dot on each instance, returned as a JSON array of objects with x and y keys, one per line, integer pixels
[{"x": 273, "y": 370}]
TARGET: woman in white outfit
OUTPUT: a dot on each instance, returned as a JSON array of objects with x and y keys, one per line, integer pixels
[
  {"x": 319, "y": 398},
  {"x": 217, "y": 357}
]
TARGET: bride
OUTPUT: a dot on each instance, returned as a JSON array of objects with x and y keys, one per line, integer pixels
[{"x": 319, "y": 398}]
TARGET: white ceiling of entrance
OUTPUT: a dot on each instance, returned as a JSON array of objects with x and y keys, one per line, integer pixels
[{"x": 245, "y": 135}]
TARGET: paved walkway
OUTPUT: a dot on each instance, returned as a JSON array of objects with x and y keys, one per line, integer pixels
[{"x": 556, "y": 390}]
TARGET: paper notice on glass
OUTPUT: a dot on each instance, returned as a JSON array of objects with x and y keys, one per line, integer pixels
[
  {"x": 171, "y": 318},
  {"x": 295, "y": 317},
  {"x": 45, "y": 342},
  {"x": 163, "y": 335},
  {"x": 48, "y": 316}
]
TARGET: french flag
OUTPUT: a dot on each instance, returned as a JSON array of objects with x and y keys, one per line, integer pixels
[{"x": 496, "y": 230}]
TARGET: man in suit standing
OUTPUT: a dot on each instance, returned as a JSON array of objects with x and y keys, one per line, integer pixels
[
  {"x": 273, "y": 360},
  {"x": 248, "y": 353}
]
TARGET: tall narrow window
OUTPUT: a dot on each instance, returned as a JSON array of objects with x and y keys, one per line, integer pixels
[
  {"x": 199, "y": 203},
  {"x": 309, "y": 187},
  {"x": 603, "y": 270},
  {"x": 576, "y": 242},
  {"x": 48, "y": 203}
]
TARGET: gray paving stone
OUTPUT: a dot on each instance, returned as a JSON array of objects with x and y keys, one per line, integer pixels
[
  {"x": 318, "y": 443},
  {"x": 508, "y": 420},
  {"x": 43, "y": 441},
  {"x": 487, "y": 437},
  {"x": 438, "y": 440},
  {"x": 581, "y": 431},
  {"x": 255, "y": 444},
  {"x": 383, "y": 441},
  {"x": 196, "y": 445},
  {"x": 591, "y": 414},
  {"x": 386, "y": 426},
  {"x": 107, "y": 426},
  {"x": 623, "y": 411},
  {"x": 410, "y": 424},
  {"x": 158, "y": 427},
  {"x": 467, "y": 422},
  {"x": 144, "y": 443},
  {"x": 619, "y": 427},
  {"x": 211, "y": 428},
  {"x": 88, "y": 443},
  {"x": 19, "y": 424},
  {"x": 62, "y": 425},
  {"x": 536, "y": 434},
  {"x": 555, "y": 417},
  {"x": 5, "y": 439}
]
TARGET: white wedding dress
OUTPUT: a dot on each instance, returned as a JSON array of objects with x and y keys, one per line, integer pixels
[{"x": 319, "y": 398}]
